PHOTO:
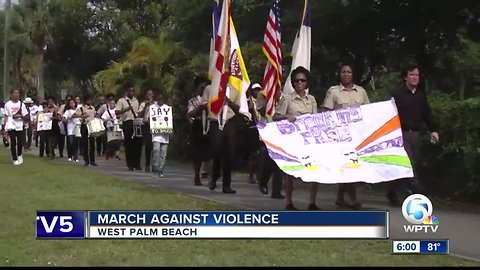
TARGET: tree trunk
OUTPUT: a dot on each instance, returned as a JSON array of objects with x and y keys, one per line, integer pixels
[{"x": 40, "y": 89}]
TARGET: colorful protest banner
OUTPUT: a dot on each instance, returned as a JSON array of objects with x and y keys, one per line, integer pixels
[
  {"x": 357, "y": 144},
  {"x": 44, "y": 121}
]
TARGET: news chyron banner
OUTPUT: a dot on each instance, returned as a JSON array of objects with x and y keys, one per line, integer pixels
[{"x": 212, "y": 224}]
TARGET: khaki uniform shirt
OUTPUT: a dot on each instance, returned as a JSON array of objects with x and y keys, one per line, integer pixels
[
  {"x": 208, "y": 95},
  {"x": 146, "y": 116},
  {"x": 101, "y": 110},
  {"x": 87, "y": 110},
  {"x": 123, "y": 104},
  {"x": 338, "y": 97},
  {"x": 280, "y": 106},
  {"x": 296, "y": 105}
]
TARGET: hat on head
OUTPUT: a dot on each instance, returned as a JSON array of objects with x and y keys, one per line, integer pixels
[
  {"x": 256, "y": 86},
  {"x": 28, "y": 100}
]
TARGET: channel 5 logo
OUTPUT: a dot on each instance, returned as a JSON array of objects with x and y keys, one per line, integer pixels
[
  {"x": 417, "y": 209},
  {"x": 60, "y": 224}
]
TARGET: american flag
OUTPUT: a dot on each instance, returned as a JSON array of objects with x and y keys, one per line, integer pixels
[{"x": 272, "y": 79}]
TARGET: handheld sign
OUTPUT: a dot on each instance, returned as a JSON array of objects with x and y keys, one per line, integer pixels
[
  {"x": 44, "y": 121},
  {"x": 161, "y": 119}
]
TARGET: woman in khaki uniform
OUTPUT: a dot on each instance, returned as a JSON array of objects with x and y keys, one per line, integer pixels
[{"x": 346, "y": 94}]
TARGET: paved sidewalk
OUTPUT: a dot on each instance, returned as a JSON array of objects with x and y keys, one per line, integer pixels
[{"x": 462, "y": 228}]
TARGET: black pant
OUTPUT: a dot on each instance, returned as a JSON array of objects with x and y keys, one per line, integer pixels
[
  {"x": 72, "y": 147},
  {"x": 16, "y": 143},
  {"x": 411, "y": 143},
  {"x": 147, "y": 141},
  {"x": 88, "y": 145},
  {"x": 267, "y": 166},
  {"x": 61, "y": 144},
  {"x": 133, "y": 146},
  {"x": 223, "y": 147},
  {"x": 101, "y": 142},
  {"x": 43, "y": 140},
  {"x": 29, "y": 136}
]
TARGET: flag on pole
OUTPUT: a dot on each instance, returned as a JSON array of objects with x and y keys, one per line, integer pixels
[
  {"x": 215, "y": 25},
  {"x": 238, "y": 79},
  {"x": 272, "y": 78},
  {"x": 220, "y": 73},
  {"x": 301, "y": 47}
]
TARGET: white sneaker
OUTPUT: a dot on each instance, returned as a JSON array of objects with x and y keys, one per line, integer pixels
[
  {"x": 76, "y": 160},
  {"x": 161, "y": 175},
  {"x": 15, "y": 162},
  {"x": 20, "y": 160},
  {"x": 69, "y": 159}
]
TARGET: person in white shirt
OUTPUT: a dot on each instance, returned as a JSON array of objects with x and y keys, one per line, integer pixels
[
  {"x": 72, "y": 140},
  {"x": 160, "y": 145},
  {"x": 15, "y": 115},
  {"x": 110, "y": 118},
  {"x": 32, "y": 110}
]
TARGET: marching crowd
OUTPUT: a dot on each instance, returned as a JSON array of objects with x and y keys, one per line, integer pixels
[{"x": 92, "y": 130}]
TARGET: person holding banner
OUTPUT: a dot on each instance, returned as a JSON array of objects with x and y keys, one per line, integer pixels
[
  {"x": 267, "y": 165},
  {"x": 199, "y": 140},
  {"x": 299, "y": 103},
  {"x": 144, "y": 113},
  {"x": 414, "y": 112},
  {"x": 101, "y": 141},
  {"x": 346, "y": 94},
  {"x": 53, "y": 133},
  {"x": 223, "y": 141},
  {"x": 127, "y": 111},
  {"x": 71, "y": 122},
  {"x": 160, "y": 112},
  {"x": 15, "y": 115},
  {"x": 86, "y": 113}
]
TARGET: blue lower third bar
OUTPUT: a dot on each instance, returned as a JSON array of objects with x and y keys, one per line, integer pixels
[{"x": 434, "y": 246}]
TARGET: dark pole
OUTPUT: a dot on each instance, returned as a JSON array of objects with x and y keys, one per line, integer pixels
[{"x": 6, "y": 69}]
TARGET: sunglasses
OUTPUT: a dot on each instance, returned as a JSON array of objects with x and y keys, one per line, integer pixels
[{"x": 299, "y": 80}]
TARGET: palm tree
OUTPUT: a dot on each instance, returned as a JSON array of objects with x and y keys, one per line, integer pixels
[
  {"x": 148, "y": 60},
  {"x": 34, "y": 33}
]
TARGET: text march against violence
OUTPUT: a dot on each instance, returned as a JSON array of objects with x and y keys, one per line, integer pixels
[{"x": 212, "y": 224}]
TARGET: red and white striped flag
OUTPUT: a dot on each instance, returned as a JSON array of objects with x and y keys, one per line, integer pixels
[
  {"x": 272, "y": 78},
  {"x": 220, "y": 57}
]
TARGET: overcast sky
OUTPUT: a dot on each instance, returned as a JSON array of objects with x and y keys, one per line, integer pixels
[{"x": 2, "y": 3}]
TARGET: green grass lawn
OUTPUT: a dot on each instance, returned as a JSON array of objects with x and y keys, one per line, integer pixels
[{"x": 39, "y": 184}]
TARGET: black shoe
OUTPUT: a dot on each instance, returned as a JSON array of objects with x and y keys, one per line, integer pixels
[
  {"x": 61, "y": 155},
  {"x": 212, "y": 185},
  {"x": 86, "y": 164},
  {"x": 147, "y": 169},
  {"x": 279, "y": 196},
  {"x": 93, "y": 164},
  {"x": 204, "y": 175},
  {"x": 138, "y": 168},
  {"x": 313, "y": 207},
  {"x": 263, "y": 190},
  {"x": 130, "y": 168},
  {"x": 290, "y": 207},
  {"x": 228, "y": 191}
]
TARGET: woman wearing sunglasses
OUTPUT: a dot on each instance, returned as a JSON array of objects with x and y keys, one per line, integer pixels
[{"x": 299, "y": 103}]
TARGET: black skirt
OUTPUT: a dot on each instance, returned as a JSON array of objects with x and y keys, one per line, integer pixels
[{"x": 199, "y": 143}]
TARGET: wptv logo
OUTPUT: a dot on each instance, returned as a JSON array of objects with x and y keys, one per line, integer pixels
[{"x": 417, "y": 209}]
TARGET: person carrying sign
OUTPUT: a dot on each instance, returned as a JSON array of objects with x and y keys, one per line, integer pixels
[
  {"x": 161, "y": 124},
  {"x": 298, "y": 103},
  {"x": 346, "y": 94}
]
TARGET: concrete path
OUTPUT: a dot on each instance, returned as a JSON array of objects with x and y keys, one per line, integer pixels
[{"x": 460, "y": 227}]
